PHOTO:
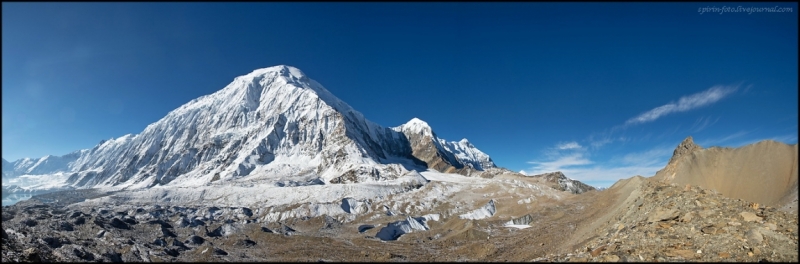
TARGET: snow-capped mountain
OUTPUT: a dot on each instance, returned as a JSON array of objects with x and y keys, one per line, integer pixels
[
  {"x": 458, "y": 157},
  {"x": 273, "y": 123}
]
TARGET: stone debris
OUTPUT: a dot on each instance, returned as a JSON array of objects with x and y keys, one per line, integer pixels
[
  {"x": 750, "y": 217},
  {"x": 687, "y": 223},
  {"x": 660, "y": 222}
]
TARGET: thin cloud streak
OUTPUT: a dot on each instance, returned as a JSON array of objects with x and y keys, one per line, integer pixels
[
  {"x": 713, "y": 142},
  {"x": 575, "y": 159},
  {"x": 685, "y": 103},
  {"x": 569, "y": 145},
  {"x": 702, "y": 123}
]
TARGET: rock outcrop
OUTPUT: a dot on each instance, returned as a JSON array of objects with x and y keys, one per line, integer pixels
[
  {"x": 560, "y": 182},
  {"x": 687, "y": 146}
]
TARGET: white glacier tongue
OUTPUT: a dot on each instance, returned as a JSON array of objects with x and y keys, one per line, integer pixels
[
  {"x": 485, "y": 211},
  {"x": 271, "y": 125}
]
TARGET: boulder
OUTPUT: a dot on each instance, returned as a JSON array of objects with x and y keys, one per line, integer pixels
[
  {"x": 160, "y": 222},
  {"x": 220, "y": 252},
  {"x": 750, "y": 217},
  {"x": 167, "y": 233},
  {"x": 75, "y": 214},
  {"x": 179, "y": 245},
  {"x": 112, "y": 256},
  {"x": 129, "y": 220},
  {"x": 663, "y": 215},
  {"x": 54, "y": 242},
  {"x": 331, "y": 223},
  {"x": 160, "y": 242},
  {"x": 32, "y": 255},
  {"x": 65, "y": 226},
  {"x": 245, "y": 243},
  {"x": 116, "y": 223},
  {"x": 195, "y": 240},
  {"x": 182, "y": 222},
  {"x": 172, "y": 252},
  {"x": 29, "y": 222},
  {"x": 83, "y": 254}
]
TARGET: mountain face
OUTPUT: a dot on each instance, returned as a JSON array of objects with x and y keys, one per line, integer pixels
[
  {"x": 449, "y": 157},
  {"x": 562, "y": 183},
  {"x": 271, "y": 123}
]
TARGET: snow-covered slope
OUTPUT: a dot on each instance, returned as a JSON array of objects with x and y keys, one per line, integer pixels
[{"x": 273, "y": 124}]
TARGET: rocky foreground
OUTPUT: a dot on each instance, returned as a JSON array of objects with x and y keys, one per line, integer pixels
[
  {"x": 638, "y": 219},
  {"x": 666, "y": 222}
]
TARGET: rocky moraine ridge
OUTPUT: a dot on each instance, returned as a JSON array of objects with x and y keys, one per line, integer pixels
[{"x": 38, "y": 232}]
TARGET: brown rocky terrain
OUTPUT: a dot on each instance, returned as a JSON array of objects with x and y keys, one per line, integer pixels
[
  {"x": 764, "y": 172},
  {"x": 637, "y": 219}
]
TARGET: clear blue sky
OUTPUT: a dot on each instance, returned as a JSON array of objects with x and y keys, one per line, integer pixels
[{"x": 601, "y": 91}]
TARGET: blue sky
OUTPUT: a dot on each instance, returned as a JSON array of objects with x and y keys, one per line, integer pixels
[{"x": 600, "y": 91}]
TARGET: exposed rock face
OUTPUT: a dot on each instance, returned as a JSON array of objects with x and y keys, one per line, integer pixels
[
  {"x": 449, "y": 157},
  {"x": 686, "y": 146},
  {"x": 560, "y": 182}
]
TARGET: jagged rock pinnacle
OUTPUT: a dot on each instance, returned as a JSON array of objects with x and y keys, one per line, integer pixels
[{"x": 685, "y": 147}]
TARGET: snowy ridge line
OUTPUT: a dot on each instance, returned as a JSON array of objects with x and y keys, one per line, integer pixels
[{"x": 264, "y": 125}]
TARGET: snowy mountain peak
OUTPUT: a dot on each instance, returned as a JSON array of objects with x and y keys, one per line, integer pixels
[
  {"x": 272, "y": 124},
  {"x": 283, "y": 70},
  {"x": 416, "y": 126}
]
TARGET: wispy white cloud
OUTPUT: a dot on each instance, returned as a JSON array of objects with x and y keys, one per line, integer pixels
[
  {"x": 685, "y": 103},
  {"x": 574, "y": 159},
  {"x": 569, "y": 145},
  {"x": 715, "y": 141},
  {"x": 600, "y": 142},
  {"x": 669, "y": 132},
  {"x": 597, "y": 140},
  {"x": 702, "y": 123},
  {"x": 562, "y": 155},
  {"x": 649, "y": 157}
]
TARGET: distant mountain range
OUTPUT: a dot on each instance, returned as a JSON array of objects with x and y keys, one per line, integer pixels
[{"x": 273, "y": 123}]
